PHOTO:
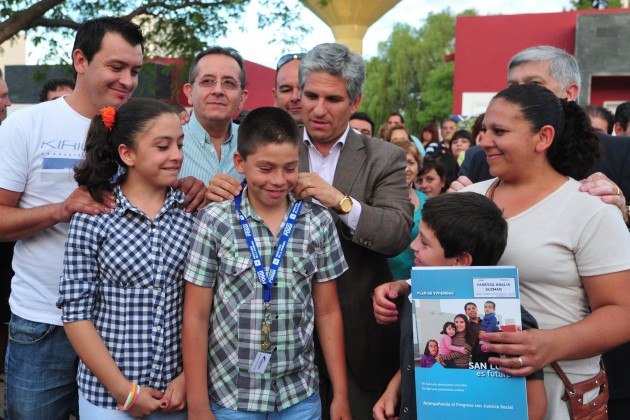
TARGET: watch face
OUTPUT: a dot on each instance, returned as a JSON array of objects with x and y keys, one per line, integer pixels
[{"x": 345, "y": 205}]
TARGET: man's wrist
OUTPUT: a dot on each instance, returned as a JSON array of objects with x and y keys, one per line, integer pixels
[
  {"x": 405, "y": 288},
  {"x": 336, "y": 204}
]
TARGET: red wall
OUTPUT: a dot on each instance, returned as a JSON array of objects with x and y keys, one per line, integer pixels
[
  {"x": 485, "y": 44},
  {"x": 260, "y": 81},
  {"x": 609, "y": 88}
]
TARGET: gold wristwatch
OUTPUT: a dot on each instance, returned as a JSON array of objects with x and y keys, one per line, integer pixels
[{"x": 345, "y": 205}]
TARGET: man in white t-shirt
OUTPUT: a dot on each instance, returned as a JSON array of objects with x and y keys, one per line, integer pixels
[
  {"x": 38, "y": 196},
  {"x": 39, "y": 148}
]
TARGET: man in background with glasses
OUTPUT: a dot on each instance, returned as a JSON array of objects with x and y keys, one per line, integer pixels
[
  {"x": 226, "y": 182},
  {"x": 216, "y": 90},
  {"x": 286, "y": 94}
]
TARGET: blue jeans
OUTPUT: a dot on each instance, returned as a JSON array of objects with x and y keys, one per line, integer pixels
[
  {"x": 308, "y": 409},
  {"x": 41, "y": 370},
  {"x": 88, "y": 411}
]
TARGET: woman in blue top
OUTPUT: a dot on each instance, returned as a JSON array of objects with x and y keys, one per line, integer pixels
[{"x": 401, "y": 264}]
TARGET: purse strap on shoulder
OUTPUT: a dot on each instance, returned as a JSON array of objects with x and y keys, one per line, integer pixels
[{"x": 567, "y": 383}]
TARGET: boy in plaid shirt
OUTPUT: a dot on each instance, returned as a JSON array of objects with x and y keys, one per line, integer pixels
[{"x": 260, "y": 278}]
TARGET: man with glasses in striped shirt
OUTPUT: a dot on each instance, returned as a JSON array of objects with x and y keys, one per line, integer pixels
[
  {"x": 286, "y": 96},
  {"x": 216, "y": 90}
]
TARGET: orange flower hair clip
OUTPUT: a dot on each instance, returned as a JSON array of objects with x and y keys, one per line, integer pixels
[{"x": 108, "y": 115}]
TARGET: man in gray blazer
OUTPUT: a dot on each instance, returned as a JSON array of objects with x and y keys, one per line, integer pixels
[{"x": 362, "y": 181}]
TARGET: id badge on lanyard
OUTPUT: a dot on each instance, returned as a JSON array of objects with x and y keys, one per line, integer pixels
[{"x": 266, "y": 278}]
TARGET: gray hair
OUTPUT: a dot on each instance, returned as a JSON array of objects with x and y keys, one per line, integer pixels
[
  {"x": 563, "y": 66},
  {"x": 336, "y": 60}
]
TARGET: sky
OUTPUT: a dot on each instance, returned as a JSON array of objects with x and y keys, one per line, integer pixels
[{"x": 256, "y": 45}]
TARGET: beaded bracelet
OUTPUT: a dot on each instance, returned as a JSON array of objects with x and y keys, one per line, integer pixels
[{"x": 131, "y": 398}]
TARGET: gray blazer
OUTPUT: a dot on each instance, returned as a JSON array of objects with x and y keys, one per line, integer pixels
[{"x": 372, "y": 172}]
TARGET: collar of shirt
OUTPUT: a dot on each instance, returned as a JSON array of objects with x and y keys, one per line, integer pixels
[
  {"x": 174, "y": 198},
  {"x": 199, "y": 134},
  {"x": 341, "y": 142},
  {"x": 325, "y": 166}
]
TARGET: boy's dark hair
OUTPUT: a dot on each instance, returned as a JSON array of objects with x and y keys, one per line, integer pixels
[
  {"x": 467, "y": 222},
  {"x": 91, "y": 32},
  {"x": 102, "y": 160},
  {"x": 266, "y": 125},
  {"x": 494, "y": 305},
  {"x": 216, "y": 50},
  {"x": 53, "y": 85}
]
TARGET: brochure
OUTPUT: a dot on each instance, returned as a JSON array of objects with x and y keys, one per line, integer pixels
[{"x": 468, "y": 386}]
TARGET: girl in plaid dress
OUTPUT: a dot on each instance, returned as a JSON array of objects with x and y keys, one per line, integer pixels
[{"x": 121, "y": 291}]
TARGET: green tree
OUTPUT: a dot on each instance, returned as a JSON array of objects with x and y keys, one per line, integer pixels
[
  {"x": 437, "y": 96},
  {"x": 594, "y": 4},
  {"x": 408, "y": 66},
  {"x": 173, "y": 28}
]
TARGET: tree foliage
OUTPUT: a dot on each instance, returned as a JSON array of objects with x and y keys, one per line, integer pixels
[
  {"x": 594, "y": 4},
  {"x": 409, "y": 74},
  {"x": 173, "y": 28}
]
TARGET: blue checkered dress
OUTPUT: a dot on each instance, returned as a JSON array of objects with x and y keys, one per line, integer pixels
[
  {"x": 123, "y": 271},
  {"x": 219, "y": 258}
]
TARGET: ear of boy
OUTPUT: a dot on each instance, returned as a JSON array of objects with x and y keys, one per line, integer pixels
[
  {"x": 239, "y": 163},
  {"x": 463, "y": 260}
]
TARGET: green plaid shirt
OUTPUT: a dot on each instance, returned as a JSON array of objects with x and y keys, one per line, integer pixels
[{"x": 219, "y": 258}]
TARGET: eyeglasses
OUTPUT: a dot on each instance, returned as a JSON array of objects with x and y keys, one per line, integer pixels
[
  {"x": 226, "y": 84},
  {"x": 289, "y": 57}
]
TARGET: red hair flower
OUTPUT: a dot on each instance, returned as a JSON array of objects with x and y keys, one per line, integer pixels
[{"x": 108, "y": 115}]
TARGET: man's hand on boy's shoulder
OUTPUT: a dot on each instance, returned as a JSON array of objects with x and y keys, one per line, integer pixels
[
  {"x": 385, "y": 300},
  {"x": 223, "y": 187},
  {"x": 310, "y": 184}
]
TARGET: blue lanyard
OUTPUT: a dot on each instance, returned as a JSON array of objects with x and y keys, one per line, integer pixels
[{"x": 267, "y": 279}]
